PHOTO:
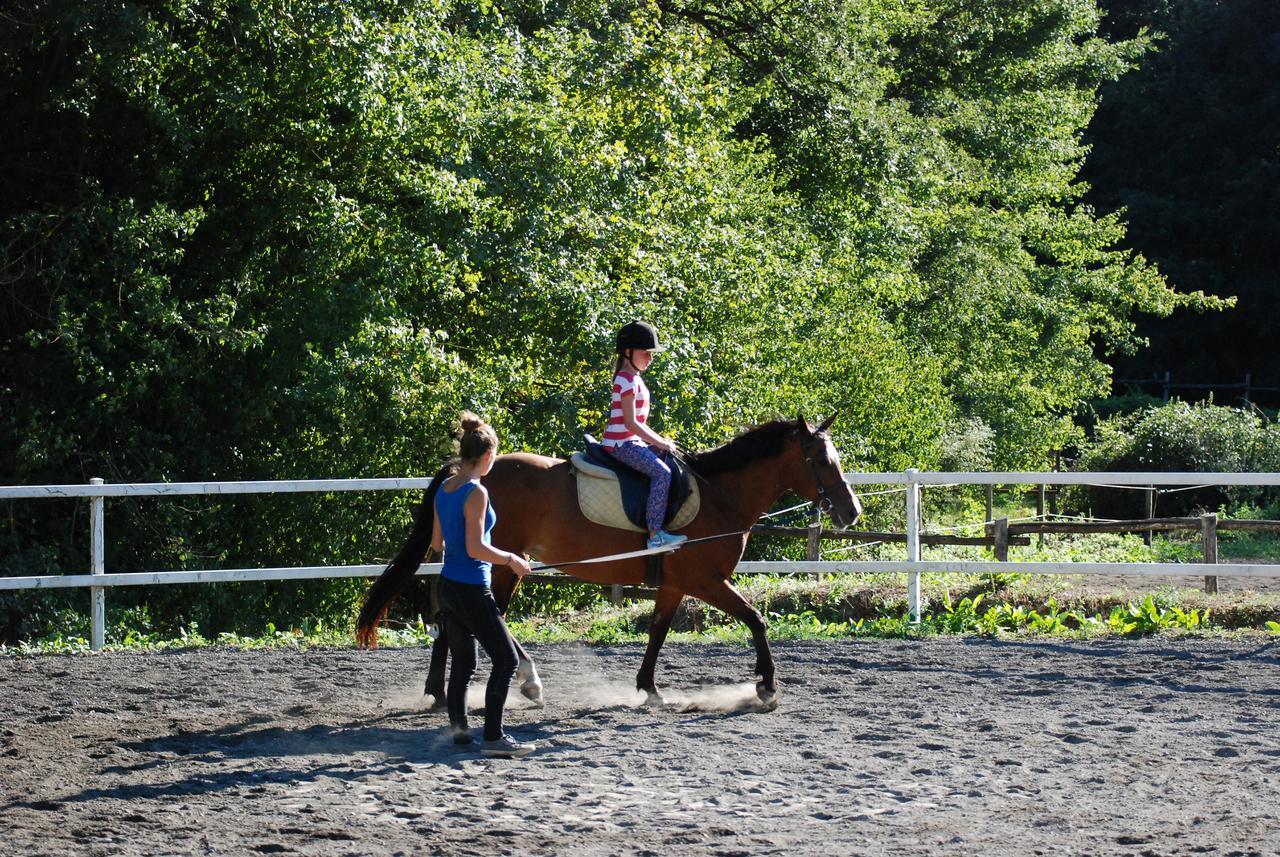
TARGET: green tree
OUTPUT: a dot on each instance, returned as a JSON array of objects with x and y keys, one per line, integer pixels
[
  {"x": 936, "y": 148},
  {"x": 254, "y": 240}
]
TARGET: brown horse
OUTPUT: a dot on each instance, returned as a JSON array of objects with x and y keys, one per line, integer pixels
[{"x": 536, "y": 501}]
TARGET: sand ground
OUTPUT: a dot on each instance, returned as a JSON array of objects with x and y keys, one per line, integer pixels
[{"x": 941, "y": 746}]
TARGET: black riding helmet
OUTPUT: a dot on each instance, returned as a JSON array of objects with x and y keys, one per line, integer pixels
[{"x": 638, "y": 334}]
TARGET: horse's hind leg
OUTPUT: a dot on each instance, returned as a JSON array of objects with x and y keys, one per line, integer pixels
[
  {"x": 530, "y": 683},
  {"x": 527, "y": 672},
  {"x": 724, "y": 597},
  {"x": 664, "y": 610},
  {"x": 434, "y": 686}
]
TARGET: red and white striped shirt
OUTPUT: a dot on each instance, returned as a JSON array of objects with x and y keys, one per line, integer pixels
[{"x": 626, "y": 384}]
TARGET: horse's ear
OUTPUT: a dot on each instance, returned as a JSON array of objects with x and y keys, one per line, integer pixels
[{"x": 826, "y": 424}]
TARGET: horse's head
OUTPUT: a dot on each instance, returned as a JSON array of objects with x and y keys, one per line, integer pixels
[{"x": 825, "y": 486}]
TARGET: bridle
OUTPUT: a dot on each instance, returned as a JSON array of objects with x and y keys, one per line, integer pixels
[{"x": 823, "y": 503}]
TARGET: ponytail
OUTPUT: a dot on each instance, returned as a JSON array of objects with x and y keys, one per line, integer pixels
[
  {"x": 622, "y": 359},
  {"x": 473, "y": 437}
]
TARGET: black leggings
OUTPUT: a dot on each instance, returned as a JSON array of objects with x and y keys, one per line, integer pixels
[{"x": 469, "y": 614}]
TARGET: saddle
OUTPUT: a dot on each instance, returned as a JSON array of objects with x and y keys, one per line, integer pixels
[{"x": 614, "y": 495}]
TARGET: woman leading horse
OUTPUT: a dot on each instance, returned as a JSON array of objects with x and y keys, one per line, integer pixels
[{"x": 536, "y": 501}]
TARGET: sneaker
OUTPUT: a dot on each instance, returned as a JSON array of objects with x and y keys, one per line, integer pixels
[
  {"x": 506, "y": 747},
  {"x": 663, "y": 539}
]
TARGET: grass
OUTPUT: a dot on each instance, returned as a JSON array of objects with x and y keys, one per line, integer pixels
[
  {"x": 843, "y": 608},
  {"x": 874, "y": 605}
]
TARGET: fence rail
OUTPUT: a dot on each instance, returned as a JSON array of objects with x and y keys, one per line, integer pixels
[
  {"x": 1167, "y": 385},
  {"x": 97, "y": 580}
]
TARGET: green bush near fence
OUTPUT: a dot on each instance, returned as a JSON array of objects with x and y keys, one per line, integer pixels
[{"x": 1178, "y": 436}]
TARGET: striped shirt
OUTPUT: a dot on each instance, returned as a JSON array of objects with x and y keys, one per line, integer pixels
[{"x": 626, "y": 384}]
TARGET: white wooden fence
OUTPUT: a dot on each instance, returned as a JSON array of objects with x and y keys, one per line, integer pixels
[{"x": 97, "y": 580}]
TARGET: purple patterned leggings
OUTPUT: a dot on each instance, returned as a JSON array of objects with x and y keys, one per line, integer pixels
[{"x": 639, "y": 456}]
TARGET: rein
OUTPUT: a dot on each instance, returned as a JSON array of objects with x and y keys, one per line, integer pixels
[
  {"x": 822, "y": 504},
  {"x": 632, "y": 554}
]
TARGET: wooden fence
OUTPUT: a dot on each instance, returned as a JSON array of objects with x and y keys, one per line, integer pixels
[{"x": 1003, "y": 534}]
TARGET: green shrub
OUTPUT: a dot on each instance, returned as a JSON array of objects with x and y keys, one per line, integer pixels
[
  {"x": 1177, "y": 436},
  {"x": 969, "y": 445}
]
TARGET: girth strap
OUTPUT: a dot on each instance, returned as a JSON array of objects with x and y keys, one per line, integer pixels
[{"x": 653, "y": 568}]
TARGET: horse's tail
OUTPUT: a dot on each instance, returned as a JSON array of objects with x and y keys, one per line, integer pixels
[{"x": 395, "y": 578}]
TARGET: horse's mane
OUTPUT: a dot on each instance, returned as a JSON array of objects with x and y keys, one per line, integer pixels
[{"x": 762, "y": 441}]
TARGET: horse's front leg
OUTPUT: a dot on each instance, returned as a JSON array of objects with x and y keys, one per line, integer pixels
[
  {"x": 665, "y": 605},
  {"x": 727, "y": 599},
  {"x": 529, "y": 682}
]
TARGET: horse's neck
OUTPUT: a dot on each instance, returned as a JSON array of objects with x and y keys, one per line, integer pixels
[{"x": 752, "y": 489}]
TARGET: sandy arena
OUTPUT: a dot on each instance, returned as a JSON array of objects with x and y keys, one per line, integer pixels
[{"x": 946, "y": 746}]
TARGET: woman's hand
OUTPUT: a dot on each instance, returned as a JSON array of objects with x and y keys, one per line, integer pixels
[{"x": 519, "y": 565}]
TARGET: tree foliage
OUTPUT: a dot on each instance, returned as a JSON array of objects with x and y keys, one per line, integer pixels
[{"x": 262, "y": 240}]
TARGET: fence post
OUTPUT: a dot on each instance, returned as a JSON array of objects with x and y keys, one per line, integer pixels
[
  {"x": 1000, "y": 538},
  {"x": 1209, "y": 534},
  {"x": 97, "y": 565},
  {"x": 615, "y": 594},
  {"x": 1040, "y": 511},
  {"x": 913, "y": 543},
  {"x": 1151, "y": 512},
  {"x": 991, "y": 502},
  {"x": 815, "y": 537}
]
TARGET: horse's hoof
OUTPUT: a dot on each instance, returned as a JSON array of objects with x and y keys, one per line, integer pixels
[
  {"x": 653, "y": 699},
  {"x": 532, "y": 691},
  {"x": 437, "y": 701},
  {"x": 768, "y": 698}
]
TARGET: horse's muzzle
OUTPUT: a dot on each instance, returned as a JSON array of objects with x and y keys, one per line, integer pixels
[{"x": 843, "y": 515}]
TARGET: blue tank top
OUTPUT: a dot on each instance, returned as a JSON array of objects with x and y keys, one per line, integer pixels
[{"x": 458, "y": 564}]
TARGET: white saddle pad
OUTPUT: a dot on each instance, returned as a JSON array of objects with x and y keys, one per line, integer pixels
[{"x": 600, "y": 498}]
